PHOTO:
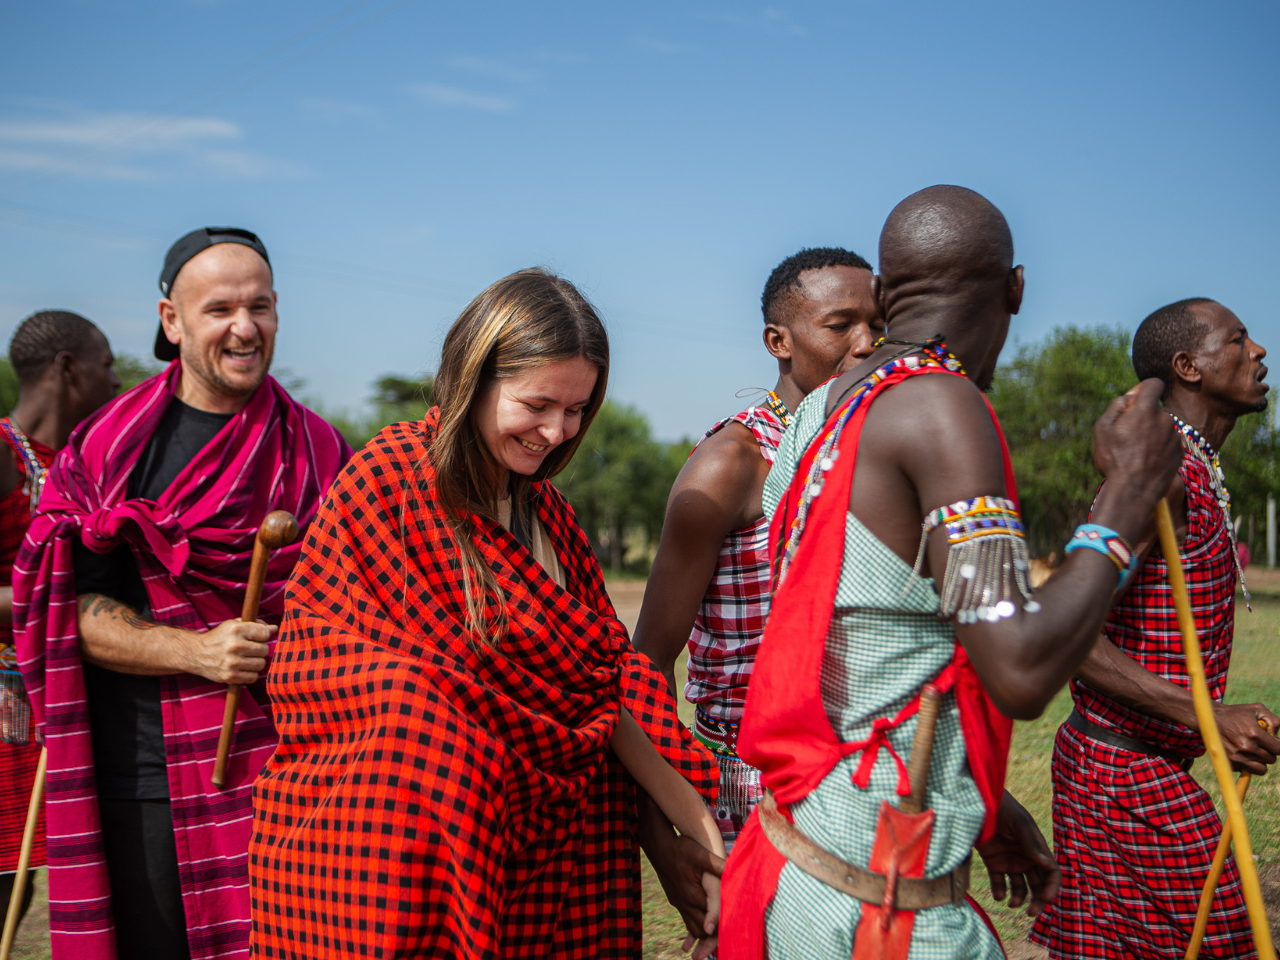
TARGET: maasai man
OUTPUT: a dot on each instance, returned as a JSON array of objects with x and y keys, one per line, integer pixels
[
  {"x": 126, "y": 595},
  {"x": 450, "y": 674},
  {"x": 63, "y": 364},
  {"x": 1134, "y": 832},
  {"x": 855, "y": 632},
  {"x": 709, "y": 586}
]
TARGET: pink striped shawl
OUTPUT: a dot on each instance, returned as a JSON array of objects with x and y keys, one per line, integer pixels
[{"x": 193, "y": 548}]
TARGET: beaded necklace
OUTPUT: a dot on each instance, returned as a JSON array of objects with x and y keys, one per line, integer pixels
[
  {"x": 36, "y": 471},
  {"x": 774, "y": 403},
  {"x": 934, "y": 353},
  {"x": 1202, "y": 450}
]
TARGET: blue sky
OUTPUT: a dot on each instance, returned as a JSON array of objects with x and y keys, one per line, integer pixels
[{"x": 398, "y": 155}]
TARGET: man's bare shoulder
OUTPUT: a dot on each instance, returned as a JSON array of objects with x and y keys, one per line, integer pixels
[
  {"x": 937, "y": 408},
  {"x": 729, "y": 459}
]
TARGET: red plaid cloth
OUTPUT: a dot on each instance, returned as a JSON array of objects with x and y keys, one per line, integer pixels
[
  {"x": 730, "y": 622},
  {"x": 17, "y": 761},
  {"x": 1135, "y": 836},
  {"x": 1144, "y": 624},
  {"x": 430, "y": 798}
]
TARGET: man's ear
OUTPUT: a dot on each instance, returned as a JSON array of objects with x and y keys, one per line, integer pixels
[
  {"x": 777, "y": 340},
  {"x": 877, "y": 293},
  {"x": 1016, "y": 286},
  {"x": 65, "y": 366},
  {"x": 1184, "y": 367},
  {"x": 169, "y": 319}
]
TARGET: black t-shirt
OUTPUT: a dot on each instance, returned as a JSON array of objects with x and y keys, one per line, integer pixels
[{"x": 125, "y": 719}]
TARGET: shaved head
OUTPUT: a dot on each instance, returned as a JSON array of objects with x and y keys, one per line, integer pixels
[{"x": 945, "y": 233}]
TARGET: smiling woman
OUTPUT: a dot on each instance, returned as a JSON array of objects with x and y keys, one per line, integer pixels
[{"x": 459, "y": 707}]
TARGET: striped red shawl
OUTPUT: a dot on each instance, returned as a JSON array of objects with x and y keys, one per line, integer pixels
[
  {"x": 430, "y": 797},
  {"x": 192, "y": 548}
]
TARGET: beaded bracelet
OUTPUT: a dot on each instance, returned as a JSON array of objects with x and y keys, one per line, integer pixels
[{"x": 1094, "y": 536}]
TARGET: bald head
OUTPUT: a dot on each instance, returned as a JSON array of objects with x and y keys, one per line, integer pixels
[{"x": 945, "y": 234}]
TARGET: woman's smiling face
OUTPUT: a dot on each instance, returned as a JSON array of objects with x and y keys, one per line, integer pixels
[{"x": 521, "y": 419}]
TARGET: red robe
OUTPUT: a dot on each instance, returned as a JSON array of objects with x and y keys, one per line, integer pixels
[{"x": 431, "y": 796}]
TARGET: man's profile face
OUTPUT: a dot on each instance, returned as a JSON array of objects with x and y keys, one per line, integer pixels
[
  {"x": 833, "y": 320},
  {"x": 1230, "y": 364},
  {"x": 95, "y": 380},
  {"x": 222, "y": 316}
]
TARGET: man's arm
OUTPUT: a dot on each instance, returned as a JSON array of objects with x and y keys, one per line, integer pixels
[
  {"x": 114, "y": 636},
  {"x": 717, "y": 492},
  {"x": 932, "y": 442},
  {"x": 1111, "y": 671}
]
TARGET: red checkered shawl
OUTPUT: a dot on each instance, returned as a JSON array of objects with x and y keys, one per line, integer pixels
[
  {"x": 17, "y": 761},
  {"x": 429, "y": 796},
  {"x": 192, "y": 547},
  {"x": 1144, "y": 623}
]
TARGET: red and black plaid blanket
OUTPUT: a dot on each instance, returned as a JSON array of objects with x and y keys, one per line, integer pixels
[{"x": 430, "y": 797}]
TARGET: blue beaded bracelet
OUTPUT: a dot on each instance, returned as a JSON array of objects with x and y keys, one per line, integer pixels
[{"x": 1094, "y": 536}]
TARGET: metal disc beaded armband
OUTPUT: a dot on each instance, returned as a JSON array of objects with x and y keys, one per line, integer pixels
[{"x": 987, "y": 564}]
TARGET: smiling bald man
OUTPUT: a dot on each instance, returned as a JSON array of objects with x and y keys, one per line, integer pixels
[{"x": 127, "y": 597}]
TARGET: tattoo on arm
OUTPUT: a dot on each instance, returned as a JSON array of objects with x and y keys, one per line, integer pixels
[{"x": 96, "y": 605}]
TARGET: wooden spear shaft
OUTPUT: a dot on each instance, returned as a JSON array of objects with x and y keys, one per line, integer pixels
[
  {"x": 279, "y": 529},
  {"x": 1212, "y": 739}
]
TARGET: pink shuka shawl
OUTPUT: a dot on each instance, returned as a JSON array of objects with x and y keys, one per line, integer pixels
[{"x": 192, "y": 548}]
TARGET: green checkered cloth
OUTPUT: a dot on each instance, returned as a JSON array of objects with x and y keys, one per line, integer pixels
[{"x": 885, "y": 642}]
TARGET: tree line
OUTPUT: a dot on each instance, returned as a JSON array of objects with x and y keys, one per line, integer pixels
[{"x": 1047, "y": 397}]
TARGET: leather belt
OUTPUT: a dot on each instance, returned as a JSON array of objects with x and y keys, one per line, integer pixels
[
  {"x": 1082, "y": 724},
  {"x": 910, "y": 893}
]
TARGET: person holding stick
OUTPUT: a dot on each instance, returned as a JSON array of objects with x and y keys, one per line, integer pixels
[
  {"x": 64, "y": 368},
  {"x": 127, "y": 596},
  {"x": 1134, "y": 831},
  {"x": 902, "y": 566},
  {"x": 463, "y": 723}
]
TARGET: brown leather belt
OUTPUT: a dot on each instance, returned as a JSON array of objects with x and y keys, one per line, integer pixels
[{"x": 911, "y": 893}]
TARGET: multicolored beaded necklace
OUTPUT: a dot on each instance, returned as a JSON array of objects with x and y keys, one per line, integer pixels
[
  {"x": 934, "y": 353},
  {"x": 774, "y": 403},
  {"x": 1203, "y": 451},
  {"x": 36, "y": 471}
]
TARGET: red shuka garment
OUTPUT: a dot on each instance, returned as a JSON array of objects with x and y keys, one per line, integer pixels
[{"x": 786, "y": 732}]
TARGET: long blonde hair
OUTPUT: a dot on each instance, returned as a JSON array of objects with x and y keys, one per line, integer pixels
[{"x": 525, "y": 320}]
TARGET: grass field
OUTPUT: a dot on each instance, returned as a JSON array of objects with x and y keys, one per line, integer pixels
[{"x": 1255, "y": 676}]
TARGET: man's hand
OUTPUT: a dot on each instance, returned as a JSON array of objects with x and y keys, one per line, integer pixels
[
  {"x": 1249, "y": 748},
  {"x": 684, "y": 867},
  {"x": 1136, "y": 445},
  {"x": 232, "y": 652},
  {"x": 1019, "y": 853}
]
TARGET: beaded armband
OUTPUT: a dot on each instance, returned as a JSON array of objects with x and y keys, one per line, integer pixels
[
  {"x": 1110, "y": 544},
  {"x": 987, "y": 565}
]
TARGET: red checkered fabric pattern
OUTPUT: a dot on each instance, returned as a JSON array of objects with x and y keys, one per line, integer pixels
[
  {"x": 1135, "y": 836},
  {"x": 18, "y": 761},
  {"x": 730, "y": 622},
  {"x": 431, "y": 795},
  {"x": 1144, "y": 624}
]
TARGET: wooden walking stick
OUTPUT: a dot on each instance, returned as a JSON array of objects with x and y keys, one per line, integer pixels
[
  {"x": 24, "y": 857},
  {"x": 1215, "y": 871},
  {"x": 1212, "y": 739},
  {"x": 279, "y": 529}
]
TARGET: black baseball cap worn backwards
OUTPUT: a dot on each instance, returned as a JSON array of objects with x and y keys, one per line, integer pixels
[{"x": 181, "y": 252}]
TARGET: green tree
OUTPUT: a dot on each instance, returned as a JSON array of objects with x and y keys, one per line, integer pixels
[
  {"x": 133, "y": 370},
  {"x": 618, "y": 483},
  {"x": 1048, "y": 398},
  {"x": 1249, "y": 461},
  {"x": 8, "y": 387}
]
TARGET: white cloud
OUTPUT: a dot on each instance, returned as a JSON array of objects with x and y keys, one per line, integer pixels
[
  {"x": 335, "y": 110},
  {"x": 130, "y": 146},
  {"x": 495, "y": 69},
  {"x": 446, "y": 96},
  {"x": 662, "y": 46}
]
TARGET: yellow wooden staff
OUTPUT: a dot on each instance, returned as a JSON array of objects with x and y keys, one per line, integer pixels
[{"x": 1212, "y": 739}]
